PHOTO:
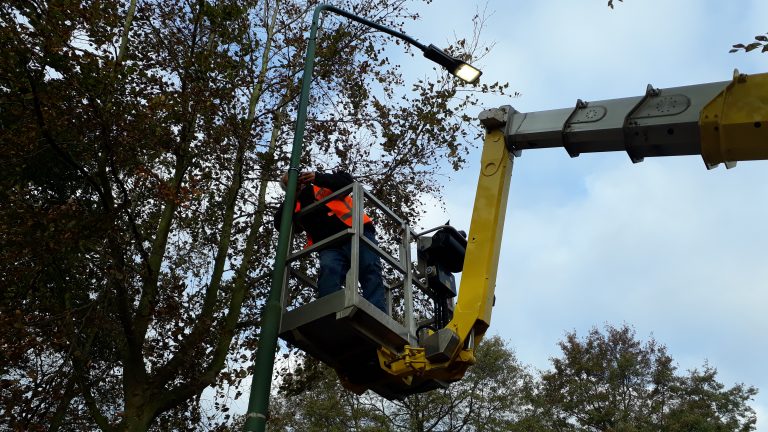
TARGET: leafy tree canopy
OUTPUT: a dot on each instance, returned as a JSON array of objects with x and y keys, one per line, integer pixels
[
  {"x": 142, "y": 142},
  {"x": 611, "y": 381},
  {"x": 491, "y": 397},
  {"x": 608, "y": 380}
]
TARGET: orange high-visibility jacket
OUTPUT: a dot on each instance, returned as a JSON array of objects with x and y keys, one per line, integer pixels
[{"x": 339, "y": 207}]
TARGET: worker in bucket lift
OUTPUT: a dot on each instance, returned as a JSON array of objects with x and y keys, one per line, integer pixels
[{"x": 333, "y": 217}]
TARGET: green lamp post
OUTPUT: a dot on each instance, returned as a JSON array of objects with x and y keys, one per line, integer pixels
[{"x": 258, "y": 404}]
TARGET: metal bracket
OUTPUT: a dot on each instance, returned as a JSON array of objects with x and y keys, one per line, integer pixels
[
  {"x": 652, "y": 105},
  {"x": 589, "y": 114},
  {"x": 650, "y": 91},
  {"x": 412, "y": 359},
  {"x": 739, "y": 77},
  {"x": 517, "y": 120},
  {"x": 580, "y": 105},
  {"x": 494, "y": 118}
]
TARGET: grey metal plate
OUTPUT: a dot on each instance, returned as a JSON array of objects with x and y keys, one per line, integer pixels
[{"x": 347, "y": 339}]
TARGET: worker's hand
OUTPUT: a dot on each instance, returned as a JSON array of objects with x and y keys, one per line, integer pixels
[{"x": 306, "y": 177}]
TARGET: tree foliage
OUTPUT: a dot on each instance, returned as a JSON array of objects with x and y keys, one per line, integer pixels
[
  {"x": 141, "y": 142},
  {"x": 761, "y": 41},
  {"x": 491, "y": 397},
  {"x": 606, "y": 381},
  {"x": 610, "y": 381}
]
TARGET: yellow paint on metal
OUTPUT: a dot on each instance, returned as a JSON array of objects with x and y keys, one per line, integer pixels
[
  {"x": 467, "y": 356},
  {"x": 734, "y": 125},
  {"x": 478, "y": 279},
  {"x": 411, "y": 361}
]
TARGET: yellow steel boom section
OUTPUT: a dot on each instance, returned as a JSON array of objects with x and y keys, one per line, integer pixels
[
  {"x": 472, "y": 314},
  {"x": 723, "y": 122},
  {"x": 733, "y": 124}
]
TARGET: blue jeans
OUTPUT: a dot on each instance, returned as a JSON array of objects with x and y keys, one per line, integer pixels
[{"x": 334, "y": 264}]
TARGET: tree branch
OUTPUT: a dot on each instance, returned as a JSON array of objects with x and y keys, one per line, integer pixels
[
  {"x": 61, "y": 408},
  {"x": 148, "y": 299},
  {"x": 51, "y": 141},
  {"x": 205, "y": 317}
]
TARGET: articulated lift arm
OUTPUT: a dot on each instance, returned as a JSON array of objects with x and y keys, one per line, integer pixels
[{"x": 724, "y": 122}]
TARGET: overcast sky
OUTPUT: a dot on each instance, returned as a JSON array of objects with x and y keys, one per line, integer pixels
[{"x": 666, "y": 246}]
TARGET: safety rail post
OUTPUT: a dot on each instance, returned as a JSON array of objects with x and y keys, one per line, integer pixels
[
  {"x": 405, "y": 259},
  {"x": 353, "y": 277}
]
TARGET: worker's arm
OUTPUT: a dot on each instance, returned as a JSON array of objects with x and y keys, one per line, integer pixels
[
  {"x": 301, "y": 197},
  {"x": 333, "y": 181}
]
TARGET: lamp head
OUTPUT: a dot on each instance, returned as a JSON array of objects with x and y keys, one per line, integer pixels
[{"x": 456, "y": 67}]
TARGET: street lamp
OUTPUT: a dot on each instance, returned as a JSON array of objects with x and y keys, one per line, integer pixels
[
  {"x": 456, "y": 67},
  {"x": 258, "y": 404}
]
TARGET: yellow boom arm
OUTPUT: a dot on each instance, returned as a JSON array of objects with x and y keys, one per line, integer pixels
[{"x": 724, "y": 122}]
